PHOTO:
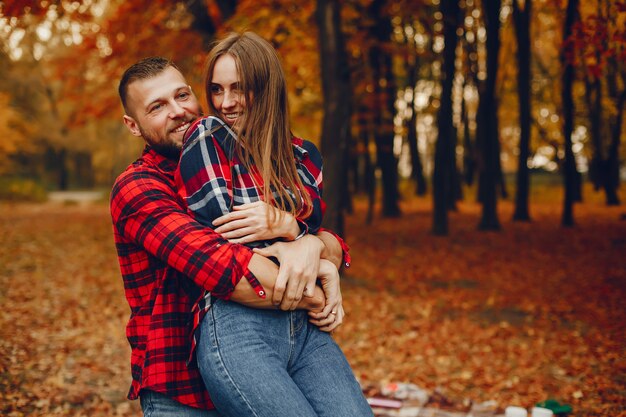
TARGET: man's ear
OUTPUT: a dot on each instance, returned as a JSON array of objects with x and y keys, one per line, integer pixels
[{"x": 132, "y": 125}]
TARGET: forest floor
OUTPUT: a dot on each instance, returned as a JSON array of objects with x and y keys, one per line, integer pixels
[{"x": 532, "y": 312}]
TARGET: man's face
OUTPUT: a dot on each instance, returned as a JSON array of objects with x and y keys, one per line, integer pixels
[{"x": 160, "y": 110}]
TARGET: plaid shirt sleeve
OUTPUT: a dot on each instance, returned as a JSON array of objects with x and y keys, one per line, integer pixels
[
  {"x": 311, "y": 163},
  {"x": 309, "y": 166},
  {"x": 147, "y": 210},
  {"x": 167, "y": 260}
]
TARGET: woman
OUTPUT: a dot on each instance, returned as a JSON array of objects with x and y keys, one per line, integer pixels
[{"x": 262, "y": 362}]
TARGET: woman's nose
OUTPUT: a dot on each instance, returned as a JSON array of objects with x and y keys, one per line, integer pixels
[{"x": 230, "y": 99}]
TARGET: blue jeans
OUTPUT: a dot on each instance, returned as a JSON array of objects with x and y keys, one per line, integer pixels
[
  {"x": 155, "y": 404},
  {"x": 272, "y": 363}
]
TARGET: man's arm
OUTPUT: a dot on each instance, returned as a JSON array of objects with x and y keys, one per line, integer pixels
[
  {"x": 266, "y": 272},
  {"x": 332, "y": 250},
  {"x": 146, "y": 211}
]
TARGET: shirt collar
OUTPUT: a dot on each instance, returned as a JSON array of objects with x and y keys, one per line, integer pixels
[
  {"x": 298, "y": 151},
  {"x": 166, "y": 164}
]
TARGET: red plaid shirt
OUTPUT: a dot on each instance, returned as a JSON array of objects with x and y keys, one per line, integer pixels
[{"x": 167, "y": 261}]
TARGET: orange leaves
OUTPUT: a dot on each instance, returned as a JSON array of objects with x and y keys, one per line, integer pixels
[
  {"x": 517, "y": 317},
  {"x": 530, "y": 313}
]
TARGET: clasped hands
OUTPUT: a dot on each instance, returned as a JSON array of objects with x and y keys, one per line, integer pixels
[{"x": 300, "y": 263}]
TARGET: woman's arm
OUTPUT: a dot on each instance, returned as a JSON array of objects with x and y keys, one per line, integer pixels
[{"x": 255, "y": 222}]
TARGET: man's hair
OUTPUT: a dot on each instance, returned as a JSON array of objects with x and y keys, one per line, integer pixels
[{"x": 146, "y": 68}]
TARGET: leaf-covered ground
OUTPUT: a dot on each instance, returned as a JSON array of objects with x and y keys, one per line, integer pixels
[{"x": 533, "y": 312}]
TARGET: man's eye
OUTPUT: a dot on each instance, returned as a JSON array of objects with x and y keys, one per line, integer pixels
[{"x": 156, "y": 107}]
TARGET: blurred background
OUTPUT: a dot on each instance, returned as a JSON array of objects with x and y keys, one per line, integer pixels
[
  {"x": 462, "y": 92},
  {"x": 435, "y": 118}
]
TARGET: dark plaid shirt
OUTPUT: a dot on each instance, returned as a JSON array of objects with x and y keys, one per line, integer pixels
[
  {"x": 212, "y": 179},
  {"x": 167, "y": 260}
]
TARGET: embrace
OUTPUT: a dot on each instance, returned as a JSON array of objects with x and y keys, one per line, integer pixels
[{"x": 233, "y": 286}]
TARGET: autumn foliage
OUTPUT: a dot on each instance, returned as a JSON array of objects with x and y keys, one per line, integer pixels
[{"x": 518, "y": 316}]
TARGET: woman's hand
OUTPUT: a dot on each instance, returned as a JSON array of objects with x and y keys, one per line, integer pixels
[
  {"x": 332, "y": 315},
  {"x": 250, "y": 222}
]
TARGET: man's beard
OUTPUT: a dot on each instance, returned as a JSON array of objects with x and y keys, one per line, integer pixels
[{"x": 167, "y": 149}]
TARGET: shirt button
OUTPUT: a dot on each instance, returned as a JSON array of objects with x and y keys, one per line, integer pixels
[{"x": 261, "y": 292}]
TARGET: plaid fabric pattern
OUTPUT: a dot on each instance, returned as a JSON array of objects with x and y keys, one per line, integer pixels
[
  {"x": 212, "y": 179},
  {"x": 167, "y": 260}
]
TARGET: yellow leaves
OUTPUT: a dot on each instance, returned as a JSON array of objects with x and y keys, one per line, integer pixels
[{"x": 14, "y": 132}]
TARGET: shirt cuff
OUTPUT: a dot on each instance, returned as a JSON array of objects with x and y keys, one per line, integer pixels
[
  {"x": 304, "y": 229},
  {"x": 256, "y": 285},
  {"x": 346, "y": 259}
]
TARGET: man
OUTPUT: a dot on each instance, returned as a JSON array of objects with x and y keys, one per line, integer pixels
[{"x": 167, "y": 259}]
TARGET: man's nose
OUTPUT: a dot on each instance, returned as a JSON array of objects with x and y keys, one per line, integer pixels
[{"x": 176, "y": 110}]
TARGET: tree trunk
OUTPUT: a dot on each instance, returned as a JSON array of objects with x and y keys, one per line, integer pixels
[
  {"x": 205, "y": 23},
  {"x": 521, "y": 19},
  {"x": 613, "y": 158},
  {"x": 471, "y": 78},
  {"x": 384, "y": 92},
  {"x": 444, "y": 162},
  {"x": 83, "y": 170},
  {"x": 593, "y": 98},
  {"x": 63, "y": 171},
  {"x": 417, "y": 170},
  {"x": 336, "y": 122},
  {"x": 412, "y": 65},
  {"x": 613, "y": 164},
  {"x": 569, "y": 170},
  {"x": 489, "y": 110}
]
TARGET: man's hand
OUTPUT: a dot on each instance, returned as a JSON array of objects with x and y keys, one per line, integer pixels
[
  {"x": 332, "y": 315},
  {"x": 250, "y": 223},
  {"x": 299, "y": 266}
]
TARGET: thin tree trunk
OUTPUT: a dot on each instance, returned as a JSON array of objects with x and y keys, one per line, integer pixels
[
  {"x": 489, "y": 111},
  {"x": 444, "y": 164},
  {"x": 521, "y": 19},
  {"x": 336, "y": 122},
  {"x": 417, "y": 170},
  {"x": 384, "y": 91},
  {"x": 613, "y": 164},
  {"x": 613, "y": 158},
  {"x": 470, "y": 157},
  {"x": 469, "y": 163},
  {"x": 593, "y": 98},
  {"x": 569, "y": 169}
]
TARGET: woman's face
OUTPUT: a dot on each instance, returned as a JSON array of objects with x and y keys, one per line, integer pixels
[{"x": 226, "y": 94}]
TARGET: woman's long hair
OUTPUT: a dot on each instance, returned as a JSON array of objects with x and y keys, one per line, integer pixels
[{"x": 265, "y": 134}]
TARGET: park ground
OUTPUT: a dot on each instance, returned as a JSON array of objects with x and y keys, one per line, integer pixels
[{"x": 532, "y": 312}]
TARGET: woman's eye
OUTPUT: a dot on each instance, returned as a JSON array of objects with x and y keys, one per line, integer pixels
[
  {"x": 216, "y": 89},
  {"x": 183, "y": 96}
]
